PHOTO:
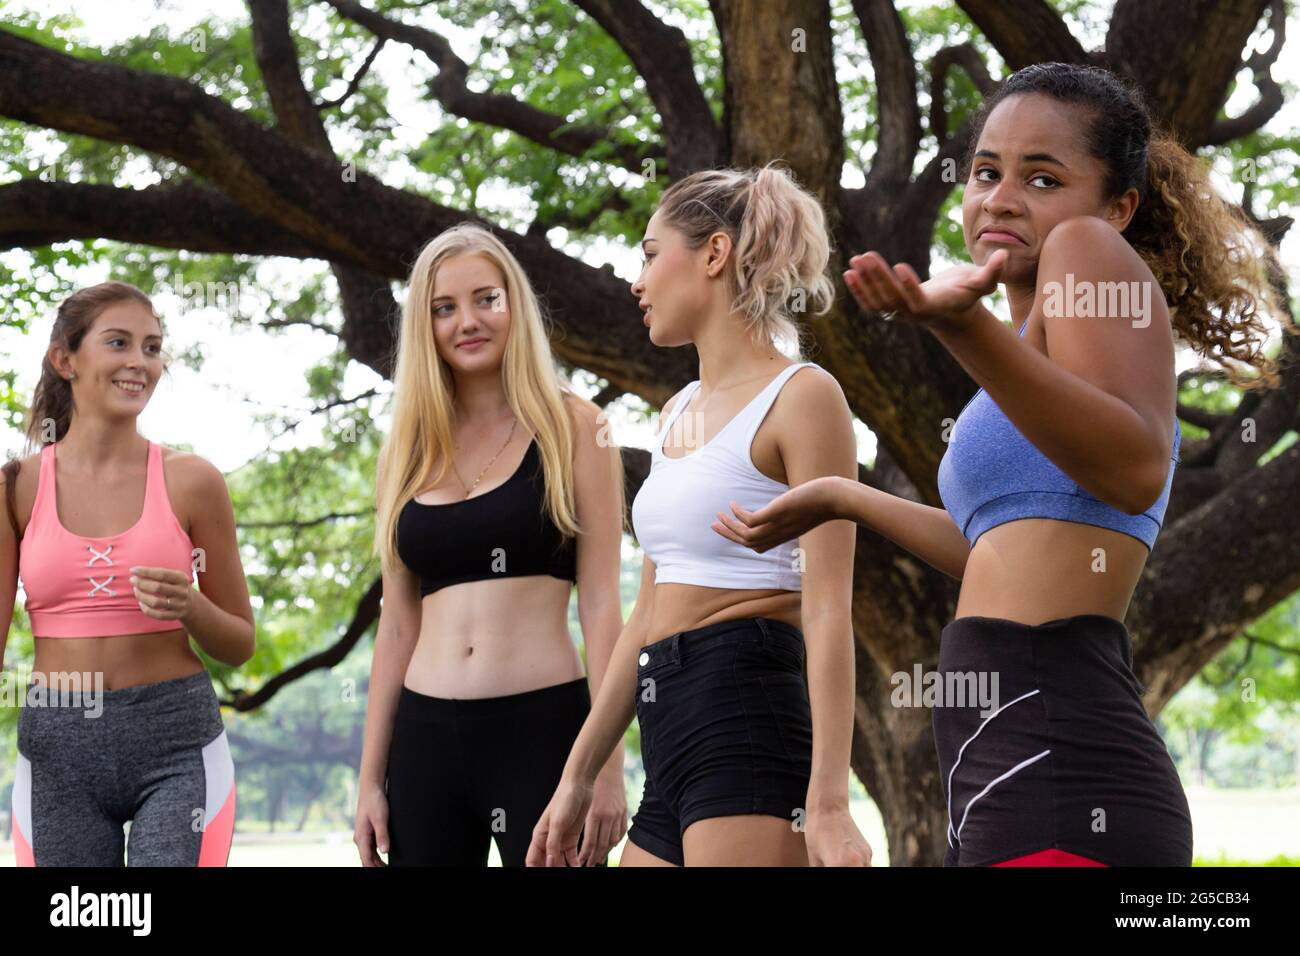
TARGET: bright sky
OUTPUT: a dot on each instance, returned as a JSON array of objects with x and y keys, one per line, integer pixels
[{"x": 247, "y": 371}]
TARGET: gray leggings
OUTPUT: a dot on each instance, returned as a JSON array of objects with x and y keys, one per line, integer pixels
[{"x": 155, "y": 754}]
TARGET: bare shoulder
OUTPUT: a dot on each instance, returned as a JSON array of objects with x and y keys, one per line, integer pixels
[
  {"x": 590, "y": 425},
  {"x": 192, "y": 476},
  {"x": 1086, "y": 244},
  {"x": 812, "y": 427},
  {"x": 28, "y": 476},
  {"x": 813, "y": 391},
  {"x": 27, "y": 464},
  {"x": 810, "y": 411},
  {"x": 1088, "y": 269},
  {"x": 594, "y": 449}
]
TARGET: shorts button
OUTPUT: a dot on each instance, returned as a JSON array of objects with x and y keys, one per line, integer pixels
[{"x": 644, "y": 659}]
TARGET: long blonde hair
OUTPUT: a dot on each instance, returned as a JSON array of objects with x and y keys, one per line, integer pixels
[{"x": 423, "y": 383}]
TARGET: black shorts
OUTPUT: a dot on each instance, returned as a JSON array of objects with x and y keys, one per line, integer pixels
[
  {"x": 1066, "y": 758},
  {"x": 726, "y": 729},
  {"x": 462, "y": 772}
]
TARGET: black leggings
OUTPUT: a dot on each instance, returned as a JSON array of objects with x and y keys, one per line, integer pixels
[{"x": 462, "y": 772}]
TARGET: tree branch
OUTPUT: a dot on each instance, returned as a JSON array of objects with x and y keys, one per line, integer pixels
[
  {"x": 968, "y": 58},
  {"x": 285, "y": 323},
  {"x": 344, "y": 218},
  {"x": 1024, "y": 31},
  {"x": 355, "y": 83},
  {"x": 365, "y": 296},
  {"x": 614, "y": 200},
  {"x": 187, "y": 215},
  {"x": 925, "y": 196},
  {"x": 662, "y": 56},
  {"x": 1264, "y": 642},
  {"x": 1238, "y": 553},
  {"x": 1200, "y": 417},
  {"x": 309, "y": 523},
  {"x": 899, "y": 116},
  {"x": 1273, "y": 413},
  {"x": 1183, "y": 55},
  {"x": 1270, "y": 94},
  {"x": 367, "y": 612},
  {"x": 449, "y": 87}
]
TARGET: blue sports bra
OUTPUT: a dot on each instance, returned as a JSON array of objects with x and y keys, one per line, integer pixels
[{"x": 992, "y": 474}]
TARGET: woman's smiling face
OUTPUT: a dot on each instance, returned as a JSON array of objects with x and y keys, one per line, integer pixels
[
  {"x": 119, "y": 361},
  {"x": 471, "y": 313},
  {"x": 1031, "y": 170}
]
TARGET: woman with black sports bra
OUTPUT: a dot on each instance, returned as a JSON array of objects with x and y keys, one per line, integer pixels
[
  {"x": 1058, "y": 470},
  {"x": 495, "y": 496},
  {"x": 747, "y": 761}
]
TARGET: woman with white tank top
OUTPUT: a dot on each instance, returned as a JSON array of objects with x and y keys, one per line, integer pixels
[{"x": 746, "y": 759}]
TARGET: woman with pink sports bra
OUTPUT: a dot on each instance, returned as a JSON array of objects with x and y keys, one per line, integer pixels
[{"x": 107, "y": 532}]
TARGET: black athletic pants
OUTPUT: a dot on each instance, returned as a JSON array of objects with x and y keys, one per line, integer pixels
[{"x": 464, "y": 772}]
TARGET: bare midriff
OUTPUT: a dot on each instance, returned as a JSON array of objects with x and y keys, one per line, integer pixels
[
  {"x": 684, "y": 607},
  {"x": 125, "y": 660},
  {"x": 1040, "y": 569},
  {"x": 493, "y": 638}
]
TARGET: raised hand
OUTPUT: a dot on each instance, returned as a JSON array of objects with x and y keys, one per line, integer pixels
[{"x": 945, "y": 302}]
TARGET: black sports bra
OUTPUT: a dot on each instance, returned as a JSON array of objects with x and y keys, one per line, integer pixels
[{"x": 502, "y": 533}]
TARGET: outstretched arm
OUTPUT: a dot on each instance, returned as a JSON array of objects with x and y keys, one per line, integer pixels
[
  {"x": 1101, "y": 407},
  {"x": 929, "y": 533}
]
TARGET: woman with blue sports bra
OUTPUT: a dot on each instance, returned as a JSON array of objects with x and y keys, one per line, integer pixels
[
  {"x": 1058, "y": 471},
  {"x": 746, "y": 763}
]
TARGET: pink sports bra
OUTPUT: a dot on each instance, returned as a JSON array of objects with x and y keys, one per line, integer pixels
[{"x": 81, "y": 587}]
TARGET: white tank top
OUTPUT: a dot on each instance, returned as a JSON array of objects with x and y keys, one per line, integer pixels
[{"x": 681, "y": 497}]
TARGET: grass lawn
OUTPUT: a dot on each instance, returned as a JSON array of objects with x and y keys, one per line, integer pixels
[{"x": 1232, "y": 828}]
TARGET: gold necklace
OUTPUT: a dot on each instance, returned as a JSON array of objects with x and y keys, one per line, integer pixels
[{"x": 470, "y": 489}]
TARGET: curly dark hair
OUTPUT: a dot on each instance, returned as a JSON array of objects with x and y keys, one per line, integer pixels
[{"x": 1210, "y": 259}]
